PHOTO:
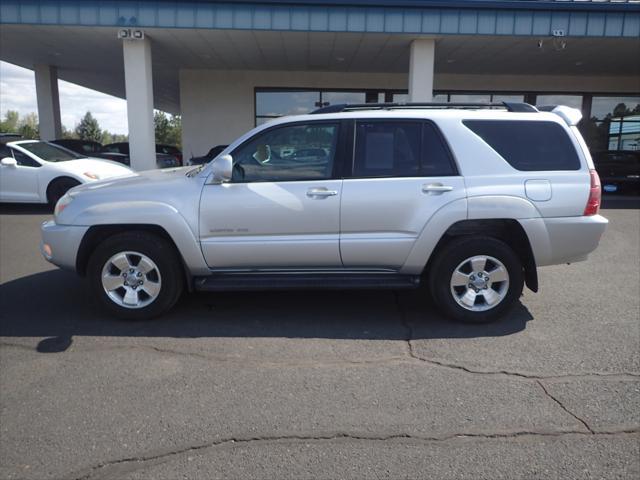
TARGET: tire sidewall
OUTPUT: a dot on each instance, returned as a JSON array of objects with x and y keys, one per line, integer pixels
[
  {"x": 453, "y": 255},
  {"x": 158, "y": 250}
]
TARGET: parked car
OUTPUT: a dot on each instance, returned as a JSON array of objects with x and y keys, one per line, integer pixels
[
  {"x": 84, "y": 147},
  {"x": 9, "y": 137},
  {"x": 32, "y": 171},
  {"x": 619, "y": 170},
  {"x": 210, "y": 155},
  {"x": 170, "y": 150},
  {"x": 468, "y": 202},
  {"x": 163, "y": 160}
]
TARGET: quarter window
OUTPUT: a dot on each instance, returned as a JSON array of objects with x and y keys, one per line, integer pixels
[
  {"x": 528, "y": 145},
  {"x": 288, "y": 153}
]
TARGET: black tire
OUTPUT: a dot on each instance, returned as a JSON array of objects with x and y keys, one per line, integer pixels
[
  {"x": 457, "y": 251},
  {"x": 58, "y": 187},
  {"x": 160, "y": 251}
]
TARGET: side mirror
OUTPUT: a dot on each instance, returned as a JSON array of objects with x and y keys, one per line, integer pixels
[
  {"x": 9, "y": 162},
  {"x": 222, "y": 169}
]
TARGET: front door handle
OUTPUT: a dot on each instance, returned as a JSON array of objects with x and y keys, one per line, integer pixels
[
  {"x": 321, "y": 193},
  {"x": 436, "y": 188}
]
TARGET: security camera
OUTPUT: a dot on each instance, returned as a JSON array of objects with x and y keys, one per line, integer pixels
[
  {"x": 138, "y": 34},
  {"x": 124, "y": 33},
  {"x": 540, "y": 43}
]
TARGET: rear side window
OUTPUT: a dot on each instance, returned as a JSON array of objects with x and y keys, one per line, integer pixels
[
  {"x": 399, "y": 149},
  {"x": 528, "y": 145}
]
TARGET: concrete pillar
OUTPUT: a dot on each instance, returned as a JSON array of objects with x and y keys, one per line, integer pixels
[
  {"x": 421, "y": 61},
  {"x": 48, "y": 102},
  {"x": 138, "y": 80}
]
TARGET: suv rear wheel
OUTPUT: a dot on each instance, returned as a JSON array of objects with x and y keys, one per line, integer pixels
[
  {"x": 135, "y": 275},
  {"x": 476, "y": 279}
]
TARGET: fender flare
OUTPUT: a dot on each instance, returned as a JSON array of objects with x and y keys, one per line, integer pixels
[{"x": 156, "y": 214}]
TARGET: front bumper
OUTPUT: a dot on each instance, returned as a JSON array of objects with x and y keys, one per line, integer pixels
[{"x": 60, "y": 243}]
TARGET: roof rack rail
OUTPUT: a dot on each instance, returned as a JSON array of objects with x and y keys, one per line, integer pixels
[{"x": 351, "y": 107}]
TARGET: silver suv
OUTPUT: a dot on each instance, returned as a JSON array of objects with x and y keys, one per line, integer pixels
[{"x": 467, "y": 201}]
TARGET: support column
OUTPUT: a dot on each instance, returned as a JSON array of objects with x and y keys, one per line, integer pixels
[
  {"x": 48, "y": 99},
  {"x": 421, "y": 60},
  {"x": 138, "y": 79}
]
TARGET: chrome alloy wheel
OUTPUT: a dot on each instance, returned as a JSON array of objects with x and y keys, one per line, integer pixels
[
  {"x": 131, "y": 279},
  {"x": 479, "y": 283}
]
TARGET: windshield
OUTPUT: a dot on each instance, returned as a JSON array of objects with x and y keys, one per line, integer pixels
[{"x": 49, "y": 152}]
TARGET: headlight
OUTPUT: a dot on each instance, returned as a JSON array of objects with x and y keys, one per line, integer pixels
[
  {"x": 91, "y": 175},
  {"x": 62, "y": 204}
]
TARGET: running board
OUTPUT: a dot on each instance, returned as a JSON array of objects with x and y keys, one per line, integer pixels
[{"x": 312, "y": 281}]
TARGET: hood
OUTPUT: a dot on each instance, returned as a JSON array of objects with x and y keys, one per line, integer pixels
[
  {"x": 135, "y": 181},
  {"x": 102, "y": 168}
]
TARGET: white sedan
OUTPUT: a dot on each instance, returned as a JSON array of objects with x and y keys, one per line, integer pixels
[{"x": 32, "y": 171}]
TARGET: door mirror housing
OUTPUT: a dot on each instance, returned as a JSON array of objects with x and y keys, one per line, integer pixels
[
  {"x": 222, "y": 169},
  {"x": 9, "y": 162}
]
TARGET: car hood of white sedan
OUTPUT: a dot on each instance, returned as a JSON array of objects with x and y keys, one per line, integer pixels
[{"x": 102, "y": 168}]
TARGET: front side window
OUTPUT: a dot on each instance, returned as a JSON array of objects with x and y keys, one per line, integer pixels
[
  {"x": 528, "y": 145},
  {"x": 23, "y": 159},
  {"x": 288, "y": 153}
]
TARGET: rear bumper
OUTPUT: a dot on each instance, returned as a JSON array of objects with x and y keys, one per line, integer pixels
[
  {"x": 564, "y": 239},
  {"x": 60, "y": 243}
]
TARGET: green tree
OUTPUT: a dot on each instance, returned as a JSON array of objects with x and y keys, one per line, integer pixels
[
  {"x": 88, "y": 128},
  {"x": 168, "y": 129},
  {"x": 10, "y": 122},
  {"x": 28, "y": 126}
]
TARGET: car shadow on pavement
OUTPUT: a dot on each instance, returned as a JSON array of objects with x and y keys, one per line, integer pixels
[
  {"x": 25, "y": 209},
  {"x": 55, "y": 306}
]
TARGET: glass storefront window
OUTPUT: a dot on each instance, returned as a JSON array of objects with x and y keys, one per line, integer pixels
[
  {"x": 336, "y": 98},
  {"x": 276, "y": 104},
  {"x": 470, "y": 98},
  {"x": 574, "y": 101},
  {"x": 614, "y": 106},
  {"x": 497, "y": 97}
]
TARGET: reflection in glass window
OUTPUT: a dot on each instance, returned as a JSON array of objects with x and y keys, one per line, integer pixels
[
  {"x": 614, "y": 106},
  {"x": 287, "y": 153},
  {"x": 470, "y": 98},
  {"x": 337, "y": 98},
  {"x": 507, "y": 98},
  {"x": 276, "y": 104},
  {"x": 387, "y": 148},
  {"x": 574, "y": 101}
]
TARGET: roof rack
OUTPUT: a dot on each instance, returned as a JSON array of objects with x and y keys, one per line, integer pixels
[{"x": 351, "y": 107}]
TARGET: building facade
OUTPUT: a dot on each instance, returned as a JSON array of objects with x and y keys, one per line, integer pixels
[{"x": 229, "y": 66}]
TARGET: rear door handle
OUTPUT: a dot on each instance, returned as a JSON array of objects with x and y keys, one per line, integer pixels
[
  {"x": 321, "y": 193},
  {"x": 436, "y": 188}
]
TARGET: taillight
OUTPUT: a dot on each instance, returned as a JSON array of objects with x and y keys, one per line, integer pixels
[{"x": 595, "y": 195}]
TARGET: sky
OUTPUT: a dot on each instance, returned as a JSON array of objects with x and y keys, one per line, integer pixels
[{"x": 18, "y": 92}]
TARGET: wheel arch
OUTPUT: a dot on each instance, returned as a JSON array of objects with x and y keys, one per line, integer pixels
[
  {"x": 58, "y": 179},
  {"x": 508, "y": 230},
  {"x": 98, "y": 233}
]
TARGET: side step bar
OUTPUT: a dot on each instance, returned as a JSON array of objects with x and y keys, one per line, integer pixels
[{"x": 312, "y": 281}]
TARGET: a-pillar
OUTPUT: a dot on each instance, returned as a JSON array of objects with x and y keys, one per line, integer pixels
[{"x": 138, "y": 79}]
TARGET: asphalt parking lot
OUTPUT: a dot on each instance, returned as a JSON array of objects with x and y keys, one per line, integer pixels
[{"x": 321, "y": 384}]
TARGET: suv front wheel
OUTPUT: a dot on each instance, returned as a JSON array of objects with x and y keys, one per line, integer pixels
[
  {"x": 476, "y": 279},
  {"x": 135, "y": 275}
]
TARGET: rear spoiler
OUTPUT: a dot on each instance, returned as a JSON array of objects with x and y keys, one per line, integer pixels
[{"x": 571, "y": 116}]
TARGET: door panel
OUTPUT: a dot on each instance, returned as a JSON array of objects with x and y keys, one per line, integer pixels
[
  {"x": 271, "y": 224},
  {"x": 282, "y": 209},
  {"x": 383, "y": 217},
  {"x": 19, "y": 184}
]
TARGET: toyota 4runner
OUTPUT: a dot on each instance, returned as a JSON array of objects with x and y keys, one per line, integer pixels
[{"x": 467, "y": 200}]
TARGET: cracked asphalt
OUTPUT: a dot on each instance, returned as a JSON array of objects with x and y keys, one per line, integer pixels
[{"x": 321, "y": 384}]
